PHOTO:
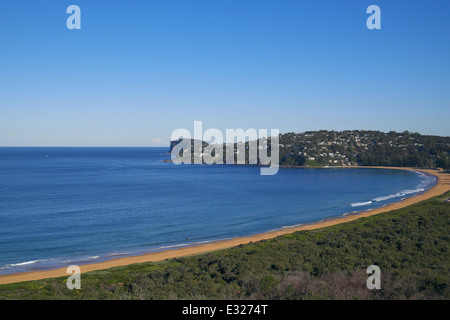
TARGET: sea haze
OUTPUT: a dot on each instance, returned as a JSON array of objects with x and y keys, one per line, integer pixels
[{"x": 62, "y": 206}]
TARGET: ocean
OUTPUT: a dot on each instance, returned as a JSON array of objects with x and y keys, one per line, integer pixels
[{"x": 63, "y": 206}]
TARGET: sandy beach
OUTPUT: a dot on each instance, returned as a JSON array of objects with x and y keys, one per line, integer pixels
[{"x": 442, "y": 186}]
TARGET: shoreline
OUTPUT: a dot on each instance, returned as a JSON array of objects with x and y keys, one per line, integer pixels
[{"x": 442, "y": 185}]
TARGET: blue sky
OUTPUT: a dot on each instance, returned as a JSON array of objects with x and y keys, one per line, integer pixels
[{"x": 138, "y": 70}]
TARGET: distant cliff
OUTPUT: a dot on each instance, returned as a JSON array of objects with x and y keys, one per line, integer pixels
[{"x": 185, "y": 142}]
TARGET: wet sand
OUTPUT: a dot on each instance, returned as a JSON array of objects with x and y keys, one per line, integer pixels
[{"x": 442, "y": 186}]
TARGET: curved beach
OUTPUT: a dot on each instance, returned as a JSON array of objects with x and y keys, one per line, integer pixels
[{"x": 442, "y": 186}]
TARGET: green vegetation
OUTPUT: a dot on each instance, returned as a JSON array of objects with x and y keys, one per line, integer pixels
[
  {"x": 410, "y": 245},
  {"x": 365, "y": 148}
]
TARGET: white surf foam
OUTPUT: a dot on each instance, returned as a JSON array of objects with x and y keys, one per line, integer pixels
[
  {"x": 359, "y": 204},
  {"x": 398, "y": 194},
  {"x": 19, "y": 264}
]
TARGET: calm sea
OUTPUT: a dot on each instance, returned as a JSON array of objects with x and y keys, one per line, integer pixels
[{"x": 62, "y": 206}]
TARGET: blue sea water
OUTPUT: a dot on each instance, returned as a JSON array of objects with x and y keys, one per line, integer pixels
[{"x": 62, "y": 206}]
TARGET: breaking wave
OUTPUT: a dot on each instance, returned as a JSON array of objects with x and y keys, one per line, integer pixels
[
  {"x": 399, "y": 194},
  {"x": 360, "y": 204}
]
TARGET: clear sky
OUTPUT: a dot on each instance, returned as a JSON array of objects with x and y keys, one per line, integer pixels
[{"x": 138, "y": 70}]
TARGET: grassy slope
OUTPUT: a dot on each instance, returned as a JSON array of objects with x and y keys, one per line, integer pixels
[{"x": 410, "y": 245}]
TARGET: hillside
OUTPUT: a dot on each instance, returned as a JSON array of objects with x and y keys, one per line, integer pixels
[
  {"x": 350, "y": 148},
  {"x": 365, "y": 148}
]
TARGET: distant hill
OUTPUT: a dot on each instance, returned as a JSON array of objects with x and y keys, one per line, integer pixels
[
  {"x": 364, "y": 148},
  {"x": 357, "y": 148}
]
